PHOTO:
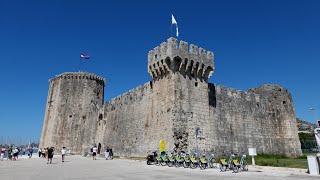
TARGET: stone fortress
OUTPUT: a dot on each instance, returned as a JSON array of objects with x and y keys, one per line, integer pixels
[{"x": 178, "y": 105}]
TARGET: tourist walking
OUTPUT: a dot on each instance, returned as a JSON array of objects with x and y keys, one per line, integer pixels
[
  {"x": 30, "y": 151},
  {"x": 40, "y": 152},
  {"x": 63, "y": 153},
  {"x": 15, "y": 153},
  {"x": 111, "y": 153},
  {"x": 106, "y": 154},
  {"x": 94, "y": 152},
  {"x": 50, "y": 154},
  {"x": 9, "y": 154},
  {"x": 3, "y": 152},
  {"x": 44, "y": 153}
]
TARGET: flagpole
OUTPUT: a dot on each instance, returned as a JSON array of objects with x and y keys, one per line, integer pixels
[
  {"x": 80, "y": 64},
  {"x": 171, "y": 30}
]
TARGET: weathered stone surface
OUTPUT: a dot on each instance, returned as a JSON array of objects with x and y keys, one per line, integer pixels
[
  {"x": 176, "y": 104},
  {"x": 73, "y": 105}
]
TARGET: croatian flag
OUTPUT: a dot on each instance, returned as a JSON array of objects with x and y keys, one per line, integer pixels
[{"x": 84, "y": 56}]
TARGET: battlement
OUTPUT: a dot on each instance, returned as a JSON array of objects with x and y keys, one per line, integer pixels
[
  {"x": 269, "y": 87},
  {"x": 79, "y": 75},
  {"x": 171, "y": 57}
]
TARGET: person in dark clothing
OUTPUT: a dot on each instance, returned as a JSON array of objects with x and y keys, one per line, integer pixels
[
  {"x": 50, "y": 154},
  {"x": 110, "y": 153},
  {"x": 10, "y": 154},
  {"x": 30, "y": 151}
]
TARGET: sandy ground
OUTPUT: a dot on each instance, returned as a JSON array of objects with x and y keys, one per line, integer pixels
[{"x": 77, "y": 167}]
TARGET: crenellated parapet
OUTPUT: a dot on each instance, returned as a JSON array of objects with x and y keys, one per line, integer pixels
[
  {"x": 189, "y": 60},
  {"x": 79, "y": 75}
]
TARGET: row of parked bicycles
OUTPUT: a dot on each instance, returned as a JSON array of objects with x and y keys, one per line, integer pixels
[{"x": 235, "y": 162}]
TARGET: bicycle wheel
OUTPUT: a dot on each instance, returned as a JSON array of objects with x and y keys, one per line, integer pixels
[
  {"x": 211, "y": 163},
  {"x": 204, "y": 165},
  {"x": 186, "y": 164},
  {"x": 163, "y": 163},
  {"x": 245, "y": 166},
  {"x": 193, "y": 165},
  {"x": 201, "y": 165},
  {"x": 235, "y": 169},
  {"x": 222, "y": 168}
]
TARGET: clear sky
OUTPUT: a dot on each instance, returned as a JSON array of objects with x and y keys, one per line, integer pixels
[{"x": 255, "y": 42}]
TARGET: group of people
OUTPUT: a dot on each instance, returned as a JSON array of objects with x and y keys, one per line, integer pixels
[
  {"x": 47, "y": 153},
  {"x": 13, "y": 153},
  {"x": 108, "y": 153}
]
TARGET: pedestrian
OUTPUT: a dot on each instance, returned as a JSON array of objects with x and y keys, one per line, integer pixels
[
  {"x": 94, "y": 152},
  {"x": 111, "y": 153},
  {"x": 46, "y": 152},
  {"x": 50, "y": 154},
  {"x": 15, "y": 153},
  {"x": 3, "y": 152},
  {"x": 9, "y": 154},
  {"x": 30, "y": 151},
  {"x": 107, "y": 154},
  {"x": 43, "y": 152},
  {"x": 40, "y": 152},
  {"x": 63, "y": 153}
]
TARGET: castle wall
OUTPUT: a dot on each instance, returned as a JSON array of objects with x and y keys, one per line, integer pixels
[
  {"x": 262, "y": 118},
  {"x": 178, "y": 106},
  {"x": 73, "y": 105},
  {"x": 136, "y": 121}
]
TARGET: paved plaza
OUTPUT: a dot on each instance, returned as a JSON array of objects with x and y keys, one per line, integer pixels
[{"x": 76, "y": 167}]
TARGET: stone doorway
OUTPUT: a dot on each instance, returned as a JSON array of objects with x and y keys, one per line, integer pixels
[{"x": 99, "y": 148}]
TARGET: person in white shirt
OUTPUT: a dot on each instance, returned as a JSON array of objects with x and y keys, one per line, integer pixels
[
  {"x": 40, "y": 152},
  {"x": 63, "y": 153},
  {"x": 94, "y": 152},
  {"x": 106, "y": 154},
  {"x": 15, "y": 153}
]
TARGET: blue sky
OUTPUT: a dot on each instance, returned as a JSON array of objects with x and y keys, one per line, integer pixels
[{"x": 254, "y": 42}]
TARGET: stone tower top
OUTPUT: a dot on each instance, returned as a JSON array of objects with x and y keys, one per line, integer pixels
[
  {"x": 171, "y": 57},
  {"x": 79, "y": 75}
]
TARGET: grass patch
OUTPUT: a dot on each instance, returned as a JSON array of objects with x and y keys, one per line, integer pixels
[{"x": 280, "y": 161}]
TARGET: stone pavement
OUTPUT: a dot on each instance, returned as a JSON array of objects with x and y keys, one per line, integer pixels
[{"x": 77, "y": 167}]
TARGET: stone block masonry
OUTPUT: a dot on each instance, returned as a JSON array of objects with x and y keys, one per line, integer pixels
[
  {"x": 73, "y": 105},
  {"x": 177, "y": 105}
]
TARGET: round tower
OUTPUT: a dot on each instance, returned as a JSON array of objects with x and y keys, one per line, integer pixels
[{"x": 72, "y": 111}]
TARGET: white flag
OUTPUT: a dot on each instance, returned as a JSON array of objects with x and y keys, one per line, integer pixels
[{"x": 173, "y": 21}]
